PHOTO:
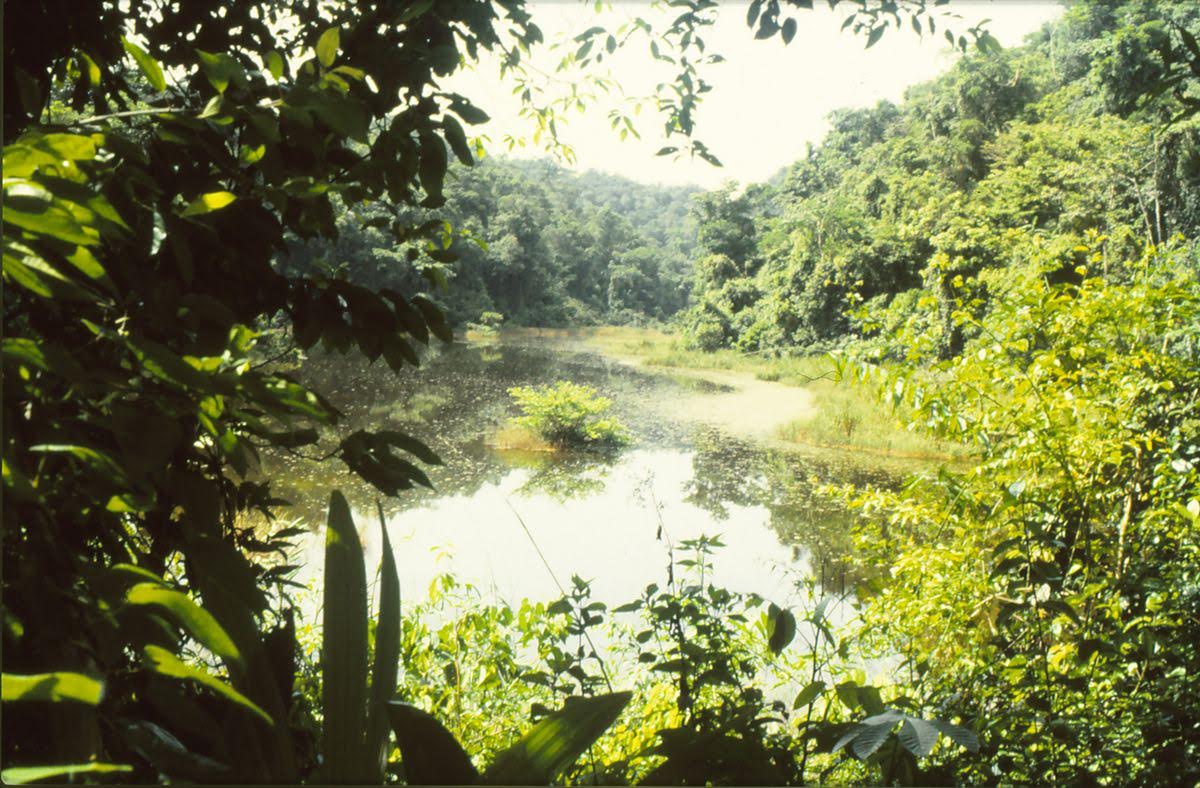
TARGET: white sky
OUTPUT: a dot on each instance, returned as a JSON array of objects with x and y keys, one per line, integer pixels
[{"x": 768, "y": 100}]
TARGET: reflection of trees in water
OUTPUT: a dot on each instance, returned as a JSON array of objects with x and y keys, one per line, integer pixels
[
  {"x": 459, "y": 395},
  {"x": 787, "y": 484},
  {"x": 452, "y": 403},
  {"x": 724, "y": 471},
  {"x": 563, "y": 477}
]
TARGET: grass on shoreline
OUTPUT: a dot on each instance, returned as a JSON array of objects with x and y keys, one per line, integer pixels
[{"x": 848, "y": 415}]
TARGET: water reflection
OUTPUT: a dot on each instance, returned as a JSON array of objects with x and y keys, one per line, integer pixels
[{"x": 590, "y": 514}]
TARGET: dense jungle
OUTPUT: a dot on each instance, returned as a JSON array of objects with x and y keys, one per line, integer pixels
[{"x": 346, "y": 444}]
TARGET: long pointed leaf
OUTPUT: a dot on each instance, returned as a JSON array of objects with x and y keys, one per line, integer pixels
[
  {"x": 167, "y": 664},
  {"x": 53, "y": 687},
  {"x": 387, "y": 655},
  {"x": 19, "y": 775},
  {"x": 556, "y": 742},
  {"x": 432, "y": 756},
  {"x": 344, "y": 648},
  {"x": 198, "y": 622}
]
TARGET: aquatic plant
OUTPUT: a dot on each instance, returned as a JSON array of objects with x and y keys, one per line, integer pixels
[{"x": 569, "y": 414}]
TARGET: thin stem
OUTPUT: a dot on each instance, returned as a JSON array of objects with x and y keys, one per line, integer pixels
[
  {"x": 129, "y": 114},
  {"x": 562, "y": 590}
]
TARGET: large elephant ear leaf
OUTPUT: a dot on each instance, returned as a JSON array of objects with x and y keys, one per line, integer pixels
[
  {"x": 431, "y": 754},
  {"x": 551, "y": 746}
]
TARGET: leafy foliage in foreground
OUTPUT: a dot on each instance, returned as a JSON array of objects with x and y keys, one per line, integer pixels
[
  {"x": 140, "y": 244},
  {"x": 1049, "y": 594}
]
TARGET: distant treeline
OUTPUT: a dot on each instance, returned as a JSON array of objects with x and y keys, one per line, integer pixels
[{"x": 533, "y": 243}]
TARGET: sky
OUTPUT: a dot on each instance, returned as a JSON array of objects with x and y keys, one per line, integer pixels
[{"x": 768, "y": 100}]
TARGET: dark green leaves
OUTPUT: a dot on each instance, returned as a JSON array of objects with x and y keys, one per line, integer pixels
[
  {"x": 781, "y": 628},
  {"x": 371, "y": 456},
  {"x": 788, "y": 32},
  {"x": 917, "y": 735},
  {"x": 809, "y": 694},
  {"x": 557, "y": 741},
  {"x": 431, "y": 754},
  {"x": 432, "y": 168},
  {"x": 457, "y": 140}
]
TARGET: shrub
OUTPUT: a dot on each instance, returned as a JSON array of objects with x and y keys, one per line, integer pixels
[{"x": 569, "y": 414}]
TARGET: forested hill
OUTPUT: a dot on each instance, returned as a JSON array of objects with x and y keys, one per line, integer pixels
[
  {"x": 1038, "y": 156},
  {"x": 535, "y": 245}
]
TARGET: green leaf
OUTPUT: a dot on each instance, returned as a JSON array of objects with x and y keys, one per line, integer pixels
[
  {"x": 39, "y": 277},
  {"x": 168, "y": 754},
  {"x": 275, "y": 64},
  {"x": 51, "y": 687},
  {"x": 30, "y": 207},
  {"x": 341, "y": 113},
  {"x": 470, "y": 113},
  {"x": 789, "y": 31},
  {"x": 809, "y": 694},
  {"x": 410, "y": 445},
  {"x": 847, "y": 693},
  {"x": 435, "y": 318},
  {"x": 457, "y": 138},
  {"x": 344, "y": 648},
  {"x": 432, "y": 756},
  {"x": 782, "y": 629},
  {"x": 557, "y": 741},
  {"x": 220, "y": 69},
  {"x": 958, "y": 734},
  {"x": 97, "y": 460},
  {"x": 66, "y": 147},
  {"x": 918, "y": 736},
  {"x": 19, "y": 775},
  {"x": 988, "y": 44},
  {"x": 165, "y": 663},
  {"x": 870, "y": 738},
  {"x": 432, "y": 167},
  {"x": 212, "y": 108},
  {"x": 327, "y": 46},
  {"x": 148, "y": 65},
  {"x": 206, "y": 203},
  {"x": 197, "y": 621},
  {"x": 387, "y": 656}
]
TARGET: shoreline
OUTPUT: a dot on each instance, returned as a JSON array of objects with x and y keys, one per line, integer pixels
[{"x": 749, "y": 394}]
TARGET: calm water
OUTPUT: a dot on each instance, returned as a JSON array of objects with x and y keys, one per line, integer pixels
[{"x": 595, "y": 516}]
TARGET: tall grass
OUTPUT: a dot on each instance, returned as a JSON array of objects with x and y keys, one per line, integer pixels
[{"x": 847, "y": 414}]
